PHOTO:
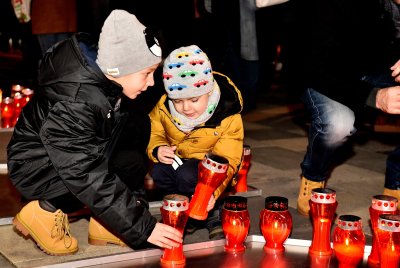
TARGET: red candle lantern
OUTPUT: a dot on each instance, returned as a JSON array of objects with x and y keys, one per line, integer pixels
[
  {"x": 381, "y": 204},
  {"x": 235, "y": 223},
  {"x": 275, "y": 223},
  {"x": 7, "y": 113},
  {"x": 241, "y": 185},
  {"x": 349, "y": 241},
  {"x": 18, "y": 104},
  {"x": 212, "y": 172},
  {"x": 323, "y": 206},
  {"x": 388, "y": 233},
  {"x": 174, "y": 213},
  {"x": 28, "y": 94}
]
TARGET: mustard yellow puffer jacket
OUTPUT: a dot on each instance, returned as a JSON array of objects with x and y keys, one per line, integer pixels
[{"x": 222, "y": 134}]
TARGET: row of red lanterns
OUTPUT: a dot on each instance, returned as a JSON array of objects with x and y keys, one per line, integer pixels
[{"x": 11, "y": 107}]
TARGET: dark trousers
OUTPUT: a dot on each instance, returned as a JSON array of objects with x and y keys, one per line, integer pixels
[{"x": 182, "y": 181}]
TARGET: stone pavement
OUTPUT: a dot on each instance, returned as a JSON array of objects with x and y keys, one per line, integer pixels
[{"x": 276, "y": 132}]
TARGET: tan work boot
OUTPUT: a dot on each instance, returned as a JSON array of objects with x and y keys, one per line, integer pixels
[
  {"x": 394, "y": 193},
  {"x": 100, "y": 236},
  {"x": 50, "y": 230},
  {"x": 303, "y": 205}
]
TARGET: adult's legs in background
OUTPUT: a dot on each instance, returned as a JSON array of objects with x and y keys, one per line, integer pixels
[{"x": 331, "y": 125}]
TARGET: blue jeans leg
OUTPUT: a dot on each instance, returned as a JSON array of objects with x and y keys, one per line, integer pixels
[{"x": 332, "y": 124}]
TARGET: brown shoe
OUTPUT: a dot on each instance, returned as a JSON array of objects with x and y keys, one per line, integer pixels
[
  {"x": 100, "y": 236},
  {"x": 50, "y": 230},
  {"x": 394, "y": 193},
  {"x": 306, "y": 186}
]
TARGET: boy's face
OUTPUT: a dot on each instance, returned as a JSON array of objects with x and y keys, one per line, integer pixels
[
  {"x": 136, "y": 83},
  {"x": 192, "y": 108}
]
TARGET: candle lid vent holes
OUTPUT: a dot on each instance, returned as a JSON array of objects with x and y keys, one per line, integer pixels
[
  {"x": 349, "y": 222},
  {"x": 235, "y": 203},
  {"x": 215, "y": 163},
  {"x": 175, "y": 202},
  {"x": 323, "y": 196},
  {"x": 384, "y": 203},
  {"x": 276, "y": 203},
  {"x": 389, "y": 222}
]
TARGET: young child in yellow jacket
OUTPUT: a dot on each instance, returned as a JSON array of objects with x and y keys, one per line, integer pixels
[{"x": 199, "y": 113}]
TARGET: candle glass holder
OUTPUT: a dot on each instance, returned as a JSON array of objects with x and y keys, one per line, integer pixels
[
  {"x": 174, "y": 213},
  {"x": 235, "y": 223},
  {"x": 323, "y": 206},
  {"x": 7, "y": 113},
  {"x": 388, "y": 232},
  {"x": 275, "y": 223},
  {"x": 27, "y": 94},
  {"x": 212, "y": 172},
  {"x": 18, "y": 104},
  {"x": 381, "y": 204},
  {"x": 241, "y": 185},
  {"x": 349, "y": 241}
]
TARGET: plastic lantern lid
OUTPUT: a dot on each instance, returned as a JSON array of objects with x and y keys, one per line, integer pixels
[
  {"x": 349, "y": 222},
  {"x": 323, "y": 196},
  {"x": 175, "y": 202}
]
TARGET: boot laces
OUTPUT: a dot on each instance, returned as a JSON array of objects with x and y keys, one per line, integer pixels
[{"x": 60, "y": 229}]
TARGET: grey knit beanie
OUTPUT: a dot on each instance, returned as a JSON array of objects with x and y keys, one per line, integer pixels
[
  {"x": 125, "y": 47},
  {"x": 187, "y": 73}
]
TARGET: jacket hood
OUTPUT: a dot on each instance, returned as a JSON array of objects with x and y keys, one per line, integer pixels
[
  {"x": 73, "y": 61},
  {"x": 231, "y": 101}
]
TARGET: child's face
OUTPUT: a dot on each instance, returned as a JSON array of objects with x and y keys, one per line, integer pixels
[
  {"x": 192, "y": 108},
  {"x": 136, "y": 83}
]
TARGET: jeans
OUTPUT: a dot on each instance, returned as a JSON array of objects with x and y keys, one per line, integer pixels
[{"x": 331, "y": 125}]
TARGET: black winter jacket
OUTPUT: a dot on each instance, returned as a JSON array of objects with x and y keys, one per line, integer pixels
[{"x": 63, "y": 140}]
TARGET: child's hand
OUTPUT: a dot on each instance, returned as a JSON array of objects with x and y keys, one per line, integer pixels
[
  {"x": 166, "y": 154},
  {"x": 211, "y": 203}
]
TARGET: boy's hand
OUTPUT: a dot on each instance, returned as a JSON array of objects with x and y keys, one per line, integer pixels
[
  {"x": 165, "y": 236},
  {"x": 166, "y": 154}
]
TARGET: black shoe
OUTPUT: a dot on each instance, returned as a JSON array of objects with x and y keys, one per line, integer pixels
[
  {"x": 193, "y": 225},
  {"x": 216, "y": 233},
  {"x": 213, "y": 223}
]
